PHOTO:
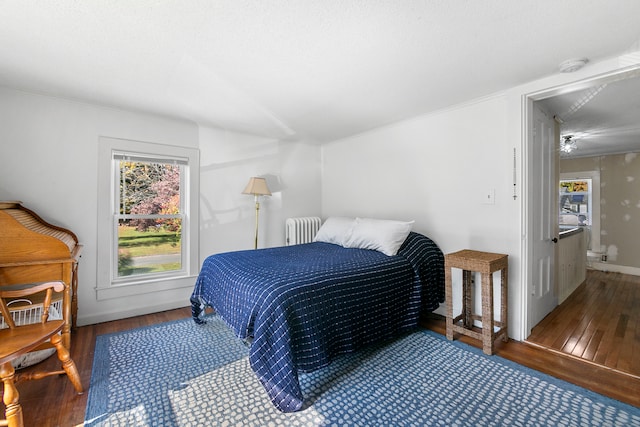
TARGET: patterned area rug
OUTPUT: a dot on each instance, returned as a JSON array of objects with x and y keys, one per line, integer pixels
[{"x": 183, "y": 374}]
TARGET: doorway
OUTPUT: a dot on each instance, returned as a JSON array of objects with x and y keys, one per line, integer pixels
[{"x": 533, "y": 165}]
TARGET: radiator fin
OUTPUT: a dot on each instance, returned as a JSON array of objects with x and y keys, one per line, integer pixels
[{"x": 301, "y": 230}]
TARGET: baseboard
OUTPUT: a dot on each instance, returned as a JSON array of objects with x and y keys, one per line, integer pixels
[
  {"x": 604, "y": 266},
  {"x": 117, "y": 315}
]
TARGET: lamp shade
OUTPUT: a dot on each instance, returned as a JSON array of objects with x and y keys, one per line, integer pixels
[{"x": 257, "y": 187}]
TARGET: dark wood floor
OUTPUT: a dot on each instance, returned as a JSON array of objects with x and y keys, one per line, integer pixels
[
  {"x": 52, "y": 401},
  {"x": 599, "y": 322}
]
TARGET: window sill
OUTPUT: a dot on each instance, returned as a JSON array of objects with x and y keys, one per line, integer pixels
[{"x": 144, "y": 287}]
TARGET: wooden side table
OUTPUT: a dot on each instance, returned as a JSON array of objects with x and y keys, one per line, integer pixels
[{"x": 486, "y": 263}]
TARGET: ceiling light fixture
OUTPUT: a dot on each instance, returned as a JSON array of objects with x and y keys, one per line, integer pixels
[
  {"x": 572, "y": 65},
  {"x": 567, "y": 145}
]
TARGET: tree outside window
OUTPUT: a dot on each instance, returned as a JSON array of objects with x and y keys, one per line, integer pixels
[
  {"x": 150, "y": 217},
  {"x": 147, "y": 234}
]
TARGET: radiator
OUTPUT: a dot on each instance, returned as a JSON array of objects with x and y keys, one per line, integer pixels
[{"x": 301, "y": 230}]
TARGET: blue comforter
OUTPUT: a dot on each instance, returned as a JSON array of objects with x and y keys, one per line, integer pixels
[{"x": 305, "y": 304}]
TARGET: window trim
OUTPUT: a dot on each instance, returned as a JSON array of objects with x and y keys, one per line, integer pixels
[
  {"x": 116, "y": 216},
  {"x": 108, "y": 284},
  {"x": 594, "y": 175}
]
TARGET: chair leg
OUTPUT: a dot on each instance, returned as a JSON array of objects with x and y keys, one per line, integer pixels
[
  {"x": 13, "y": 410},
  {"x": 67, "y": 364}
]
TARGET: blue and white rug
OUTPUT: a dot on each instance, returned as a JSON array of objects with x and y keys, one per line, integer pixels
[{"x": 183, "y": 374}]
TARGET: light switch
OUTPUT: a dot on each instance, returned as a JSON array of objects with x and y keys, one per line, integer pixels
[{"x": 489, "y": 197}]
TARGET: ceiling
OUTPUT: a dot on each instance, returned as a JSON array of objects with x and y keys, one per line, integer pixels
[
  {"x": 318, "y": 69},
  {"x": 602, "y": 119}
]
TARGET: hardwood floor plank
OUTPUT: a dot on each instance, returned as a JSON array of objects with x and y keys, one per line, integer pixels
[
  {"x": 569, "y": 338},
  {"x": 569, "y": 315},
  {"x": 598, "y": 322},
  {"x": 591, "y": 313},
  {"x": 626, "y": 348},
  {"x": 600, "y": 334},
  {"x": 610, "y": 324},
  {"x": 554, "y": 330},
  {"x": 594, "y": 316},
  {"x": 635, "y": 357},
  {"x": 621, "y": 319},
  {"x": 612, "y": 357},
  {"x": 549, "y": 325},
  {"x": 592, "y": 346}
]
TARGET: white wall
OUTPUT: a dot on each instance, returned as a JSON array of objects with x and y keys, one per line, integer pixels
[
  {"x": 48, "y": 160},
  {"x": 436, "y": 169},
  {"x": 227, "y": 161}
]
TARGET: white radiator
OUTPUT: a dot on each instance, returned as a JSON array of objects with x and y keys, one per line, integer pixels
[{"x": 301, "y": 230}]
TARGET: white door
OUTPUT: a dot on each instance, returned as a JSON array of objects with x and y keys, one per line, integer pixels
[{"x": 543, "y": 226}]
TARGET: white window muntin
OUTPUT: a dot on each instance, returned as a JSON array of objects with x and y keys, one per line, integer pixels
[
  {"x": 182, "y": 163},
  {"x": 106, "y": 288}
]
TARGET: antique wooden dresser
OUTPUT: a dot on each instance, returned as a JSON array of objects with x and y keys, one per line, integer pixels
[{"x": 32, "y": 250}]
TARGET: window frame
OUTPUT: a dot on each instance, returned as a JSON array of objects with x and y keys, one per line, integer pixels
[
  {"x": 109, "y": 284},
  {"x": 117, "y": 157},
  {"x": 593, "y": 243}
]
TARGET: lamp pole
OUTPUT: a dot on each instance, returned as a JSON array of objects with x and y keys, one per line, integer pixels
[
  {"x": 255, "y": 246},
  {"x": 257, "y": 187}
]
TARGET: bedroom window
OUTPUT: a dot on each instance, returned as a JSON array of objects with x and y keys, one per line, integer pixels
[
  {"x": 149, "y": 214},
  {"x": 147, "y": 217},
  {"x": 579, "y": 204}
]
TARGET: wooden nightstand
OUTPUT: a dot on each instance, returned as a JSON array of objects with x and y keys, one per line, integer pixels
[{"x": 486, "y": 263}]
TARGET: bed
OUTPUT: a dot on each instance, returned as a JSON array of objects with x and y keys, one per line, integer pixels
[{"x": 301, "y": 306}]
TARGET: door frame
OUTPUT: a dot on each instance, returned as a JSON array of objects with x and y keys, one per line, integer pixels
[{"x": 528, "y": 166}]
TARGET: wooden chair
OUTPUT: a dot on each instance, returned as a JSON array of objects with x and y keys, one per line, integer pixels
[{"x": 19, "y": 340}]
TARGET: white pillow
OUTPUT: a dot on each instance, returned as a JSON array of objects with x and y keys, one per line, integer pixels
[
  {"x": 381, "y": 235},
  {"x": 336, "y": 230}
]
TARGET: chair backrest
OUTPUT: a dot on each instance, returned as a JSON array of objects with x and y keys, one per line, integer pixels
[{"x": 19, "y": 291}]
